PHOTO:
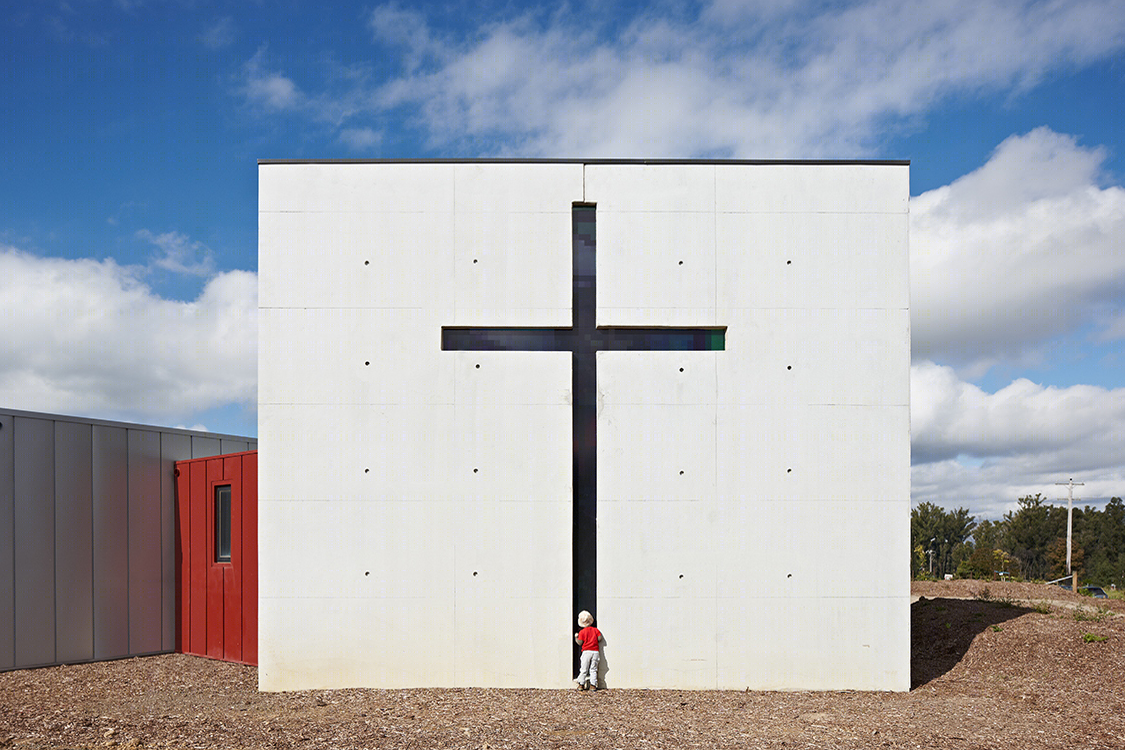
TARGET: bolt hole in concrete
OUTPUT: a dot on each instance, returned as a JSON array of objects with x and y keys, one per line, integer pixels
[
  {"x": 681, "y": 369},
  {"x": 474, "y": 471},
  {"x": 681, "y": 575},
  {"x": 474, "y": 260},
  {"x": 789, "y": 576},
  {"x": 367, "y": 363},
  {"x": 367, "y": 572},
  {"x": 474, "y": 573},
  {"x": 366, "y": 262},
  {"x": 681, "y": 262},
  {"x": 788, "y": 471},
  {"x": 681, "y": 472},
  {"x": 788, "y": 262},
  {"x": 367, "y": 471},
  {"x": 478, "y": 367},
  {"x": 789, "y": 367}
]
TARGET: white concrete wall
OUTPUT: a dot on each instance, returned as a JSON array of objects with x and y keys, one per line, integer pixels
[{"x": 415, "y": 516}]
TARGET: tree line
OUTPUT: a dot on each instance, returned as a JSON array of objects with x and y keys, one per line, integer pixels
[{"x": 1029, "y": 543}]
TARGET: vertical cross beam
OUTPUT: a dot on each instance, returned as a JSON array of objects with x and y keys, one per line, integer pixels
[{"x": 584, "y": 339}]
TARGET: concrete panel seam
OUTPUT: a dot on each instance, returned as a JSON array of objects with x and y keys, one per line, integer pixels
[{"x": 715, "y": 319}]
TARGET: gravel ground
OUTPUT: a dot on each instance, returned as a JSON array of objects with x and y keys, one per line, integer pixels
[{"x": 1019, "y": 666}]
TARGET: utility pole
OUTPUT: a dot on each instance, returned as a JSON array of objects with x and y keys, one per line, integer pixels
[{"x": 1070, "y": 485}]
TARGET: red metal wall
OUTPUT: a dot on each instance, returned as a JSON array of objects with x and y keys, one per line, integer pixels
[{"x": 217, "y": 602}]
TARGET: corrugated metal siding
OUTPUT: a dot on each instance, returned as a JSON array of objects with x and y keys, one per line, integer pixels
[
  {"x": 7, "y": 543},
  {"x": 144, "y": 542},
  {"x": 88, "y": 536},
  {"x": 172, "y": 447},
  {"x": 111, "y": 542},
  {"x": 35, "y": 541},
  {"x": 202, "y": 447},
  {"x": 74, "y": 542}
]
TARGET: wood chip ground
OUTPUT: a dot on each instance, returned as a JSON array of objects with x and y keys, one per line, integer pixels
[{"x": 1014, "y": 666}]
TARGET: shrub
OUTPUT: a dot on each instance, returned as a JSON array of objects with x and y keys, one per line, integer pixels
[{"x": 1082, "y": 615}]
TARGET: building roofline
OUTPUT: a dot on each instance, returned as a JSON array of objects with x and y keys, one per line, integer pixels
[
  {"x": 754, "y": 162},
  {"x": 111, "y": 423}
]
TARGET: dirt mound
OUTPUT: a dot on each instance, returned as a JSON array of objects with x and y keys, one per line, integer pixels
[
  {"x": 987, "y": 673},
  {"x": 1003, "y": 590}
]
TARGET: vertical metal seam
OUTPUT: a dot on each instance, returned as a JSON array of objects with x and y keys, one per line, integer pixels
[
  {"x": 128, "y": 556},
  {"x": 93, "y": 573},
  {"x": 13, "y": 527},
  {"x": 160, "y": 479},
  {"x": 55, "y": 538}
]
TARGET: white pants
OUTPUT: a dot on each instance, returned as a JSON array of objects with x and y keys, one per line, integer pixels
[{"x": 588, "y": 668}]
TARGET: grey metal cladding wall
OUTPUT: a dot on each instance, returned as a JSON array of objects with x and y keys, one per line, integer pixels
[
  {"x": 34, "y": 546},
  {"x": 226, "y": 445},
  {"x": 111, "y": 543},
  {"x": 145, "y": 593},
  {"x": 7, "y": 543},
  {"x": 88, "y": 536},
  {"x": 74, "y": 535},
  {"x": 202, "y": 447},
  {"x": 173, "y": 447}
]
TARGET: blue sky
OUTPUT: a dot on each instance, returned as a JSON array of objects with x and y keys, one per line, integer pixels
[{"x": 128, "y": 198}]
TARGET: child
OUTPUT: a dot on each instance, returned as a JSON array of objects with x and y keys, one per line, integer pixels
[{"x": 589, "y": 639}]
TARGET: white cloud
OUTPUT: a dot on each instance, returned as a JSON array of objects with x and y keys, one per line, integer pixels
[
  {"x": 90, "y": 337},
  {"x": 406, "y": 30},
  {"x": 1114, "y": 329},
  {"x": 724, "y": 82},
  {"x": 360, "y": 139},
  {"x": 269, "y": 89},
  {"x": 219, "y": 34},
  {"x": 983, "y": 450},
  {"x": 756, "y": 79},
  {"x": 180, "y": 254},
  {"x": 1024, "y": 249}
]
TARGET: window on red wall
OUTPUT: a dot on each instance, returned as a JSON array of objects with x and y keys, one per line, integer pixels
[{"x": 222, "y": 523}]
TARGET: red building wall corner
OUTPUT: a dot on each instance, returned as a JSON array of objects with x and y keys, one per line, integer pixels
[{"x": 217, "y": 601}]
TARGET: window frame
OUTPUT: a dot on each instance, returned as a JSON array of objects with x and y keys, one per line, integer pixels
[{"x": 215, "y": 517}]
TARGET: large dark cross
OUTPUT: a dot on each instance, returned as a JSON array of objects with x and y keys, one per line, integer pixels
[{"x": 584, "y": 338}]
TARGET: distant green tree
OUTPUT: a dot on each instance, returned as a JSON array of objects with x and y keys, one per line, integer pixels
[
  {"x": 943, "y": 533},
  {"x": 1029, "y": 531},
  {"x": 918, "y": 562},
  {"x": 987, "y": 563},
  {"x": 987, "y": 534},
  {"x": 1029, "y": 542},
  {"x": 1102, "y": 535},
  {"x": 1056, "y": 558}
]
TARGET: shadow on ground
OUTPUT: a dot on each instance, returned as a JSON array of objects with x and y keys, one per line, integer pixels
[{"x": 941, "y": 631}]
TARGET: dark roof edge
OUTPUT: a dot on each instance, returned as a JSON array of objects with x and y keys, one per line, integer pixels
[
  {"x": 759, "y": 162},
  {"x": 112, "y": 423}
]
